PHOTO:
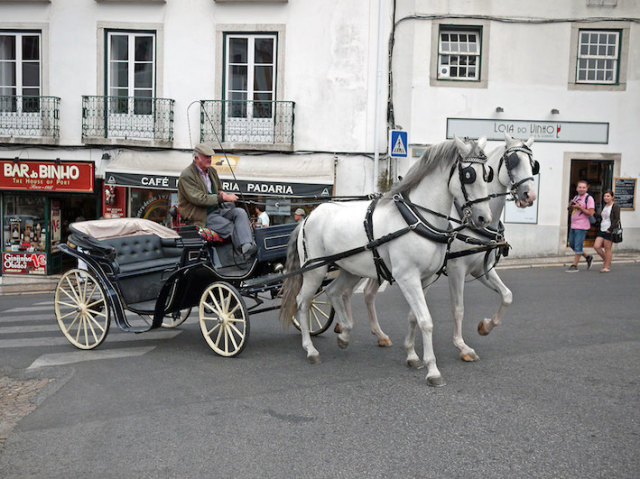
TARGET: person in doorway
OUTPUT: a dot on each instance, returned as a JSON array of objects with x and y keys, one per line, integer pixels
[
  {"x": 262, "y": 218},
  {"x": 610, "y": 218},
  {"x": 581, "y": 207},
  {"x": 202, "y": 202},
  {"x": 299, "y": 215}
]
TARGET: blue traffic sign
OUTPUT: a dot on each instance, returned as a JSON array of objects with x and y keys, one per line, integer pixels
[{"x": 398, "y": 144}]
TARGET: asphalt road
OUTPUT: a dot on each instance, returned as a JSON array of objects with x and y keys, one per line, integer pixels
[{"x": 555, "y": 394}]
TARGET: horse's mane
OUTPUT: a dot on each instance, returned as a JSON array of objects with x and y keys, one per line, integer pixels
[{"x": 443, "y": 154}]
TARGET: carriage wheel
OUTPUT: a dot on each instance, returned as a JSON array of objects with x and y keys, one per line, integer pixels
[
  {"x": 224, "y": 320},
  {"x": 320, "y": 314},
  {"x": 174, "y": 320},
  {"x": 81, "y": 309}
]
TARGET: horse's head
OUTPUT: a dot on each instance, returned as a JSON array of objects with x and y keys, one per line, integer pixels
[
  {"x": 469, "y": 185},
  {"x": 517, "y": 169}
]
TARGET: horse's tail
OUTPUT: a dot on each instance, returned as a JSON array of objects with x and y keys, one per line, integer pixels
[{"x": 292, "y": 285}]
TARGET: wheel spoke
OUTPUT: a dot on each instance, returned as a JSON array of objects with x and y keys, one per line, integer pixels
[
  {"x": 211, "y": 308},
  {"x": 95, "y": 321},
  {"x": 90, "y": 326},
  {"x": 68, "y": 304},
  {"x": 234, "y": 309},
  {"x": 226, "y": 339},
  {"x": 68, "y": 314},
  {"x": 73, "y": 291},
  {"x": 210, "y": 331},
  {"x": 97, "y": 313},
  {"x": 233, "y": 326},
  {"x": 215, "y": 301},
  {"x": 74, "y": 320},
  {"x": 315, "y": 309},
  {"x": 80, "y": 324},
  {"x": 217, "y": 341},
  {"x": 233, "y": 339}
]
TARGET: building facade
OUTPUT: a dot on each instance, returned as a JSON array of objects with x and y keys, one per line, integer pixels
[{"x": 102, "y": 101}]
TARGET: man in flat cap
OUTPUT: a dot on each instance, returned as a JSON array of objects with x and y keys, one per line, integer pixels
[
  {"x": 202, "y": 202},
  {"x": 298, "y": 214}
]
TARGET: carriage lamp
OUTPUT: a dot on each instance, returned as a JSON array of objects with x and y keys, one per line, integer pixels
[
  {"x": 555, "y": 111},
  {"x": 499, "y": 109}
]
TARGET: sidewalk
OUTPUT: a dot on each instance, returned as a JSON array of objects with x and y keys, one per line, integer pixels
[{"x": 15, "y": 285}]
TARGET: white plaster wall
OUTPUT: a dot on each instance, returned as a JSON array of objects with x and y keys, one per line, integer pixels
[{"x": 528, "y": 76}]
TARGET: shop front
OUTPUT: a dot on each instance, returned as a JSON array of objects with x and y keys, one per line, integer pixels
[
  {"x": 278, "y": 184},
  {"x": 38, "y": 199}
]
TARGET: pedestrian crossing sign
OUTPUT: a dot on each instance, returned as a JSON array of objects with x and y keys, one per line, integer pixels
[{"x": 398, "y": 144}]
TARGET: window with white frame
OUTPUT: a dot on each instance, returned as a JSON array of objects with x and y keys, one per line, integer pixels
[
  {"x": 20, "y": 71},
  {"x": 598, "y": 56},
  {"x": 250, "y": 74},
  {"x": 459, "y": 53},
  {"x": 131, "y": 70}
]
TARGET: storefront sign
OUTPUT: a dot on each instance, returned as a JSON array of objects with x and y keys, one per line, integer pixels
[
  {"x": 36, "y": 175},
  {"x": 541, "y": 131},
  {"x": 162, "y": 182},
  {"x": 272, "y": 188},
  {"x": 247, "y": 187},
  {"x": 625, "y": 193},
  {"x": 24, "y": 263}
]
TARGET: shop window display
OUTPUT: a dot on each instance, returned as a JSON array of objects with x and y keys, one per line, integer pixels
[
  {"x": 151, "y": 204},
  {"x": 24, "y": 226}
]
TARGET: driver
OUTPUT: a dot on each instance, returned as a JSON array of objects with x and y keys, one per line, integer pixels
[{"x": 202, "y": 202}]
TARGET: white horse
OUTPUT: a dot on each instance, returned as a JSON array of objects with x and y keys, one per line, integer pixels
[
  {"x": 448, "y": 170},
  {"x": 515, "y": 168}
]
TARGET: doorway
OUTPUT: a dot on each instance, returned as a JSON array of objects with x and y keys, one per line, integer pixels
[{"x": 599, "y": 175}]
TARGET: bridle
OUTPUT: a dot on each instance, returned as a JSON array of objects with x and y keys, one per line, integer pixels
[
  {"x": 467, "y": 176},
  {"x": 511, "y": 160}
]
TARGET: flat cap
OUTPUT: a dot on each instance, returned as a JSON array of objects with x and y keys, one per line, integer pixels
[
  {"x": 204, "y": 149},
  {"x": 299, "y": 212}
]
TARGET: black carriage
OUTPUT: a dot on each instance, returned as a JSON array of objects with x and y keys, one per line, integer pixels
[{"x": 134, "y": 268}]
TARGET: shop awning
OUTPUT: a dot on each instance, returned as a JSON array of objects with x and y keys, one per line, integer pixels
[{"x": 267, "y": 175}]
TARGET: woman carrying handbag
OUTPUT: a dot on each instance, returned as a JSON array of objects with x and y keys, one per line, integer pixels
[{"x": 610, "y": 215}]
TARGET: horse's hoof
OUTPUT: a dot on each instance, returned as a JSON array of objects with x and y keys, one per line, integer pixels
[
  {"x": 415, "y": 363},
  {"x": 342, "y": 344},
  {"x": 482, "y": 329},
  {"x": 385, "y": 342},
  {"x": 337, "y": 329},
  {"x": 436, "y": 381},
  {"x": 314, "y": 359},
  {"x": 469, "y": 357}
]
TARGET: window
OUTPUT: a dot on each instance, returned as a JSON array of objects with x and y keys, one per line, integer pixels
[
  {"x": 20, "y": 72},
  {"x": 131, "y": 72},
  {"x": 250, "y": 75},
  {"x": 459, "y": 54},
  {"x": 598, "y": 56}
]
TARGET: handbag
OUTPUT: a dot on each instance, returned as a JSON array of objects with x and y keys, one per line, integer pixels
[
  {"x": 616, "y": 234},
  {"x": 592, "y": 219}
]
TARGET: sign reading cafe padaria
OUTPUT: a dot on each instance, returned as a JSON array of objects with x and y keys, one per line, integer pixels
[
  {"x": 541, "y": 131},
  {"x": 43, "y": 175},
  {"x": 249, "y": 187}
]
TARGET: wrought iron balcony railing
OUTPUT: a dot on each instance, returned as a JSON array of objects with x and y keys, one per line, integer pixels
[
  {"x": 30, "y": 117},
  {"x": 127, "y": 118},
  {"x": 258, "y": 123}
]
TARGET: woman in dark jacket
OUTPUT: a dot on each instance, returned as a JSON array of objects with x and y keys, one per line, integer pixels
[{"x": 610, "y": 218}]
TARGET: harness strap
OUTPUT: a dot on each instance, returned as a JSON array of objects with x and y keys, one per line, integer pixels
[
  {"x": 382, "y": 271},
  {"x": 419, "y": 224}
]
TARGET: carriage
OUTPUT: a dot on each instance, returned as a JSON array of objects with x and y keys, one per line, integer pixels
[{"x": 145, "y": 276}]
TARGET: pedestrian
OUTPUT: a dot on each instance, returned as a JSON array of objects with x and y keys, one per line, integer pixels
[
  {"x": 262, "y": 218},
  {"x": 610, "y": 218},
  {"x": 299, "y": 214},
  {"x": 202, "y": 202},
  {"x": 581, "y": 208}
]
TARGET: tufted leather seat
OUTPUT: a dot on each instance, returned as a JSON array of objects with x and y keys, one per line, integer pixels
[{"x": 144, "y": 253}]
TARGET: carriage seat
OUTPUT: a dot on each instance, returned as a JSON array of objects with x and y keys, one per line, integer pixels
[{"x": 144, "y": 253}]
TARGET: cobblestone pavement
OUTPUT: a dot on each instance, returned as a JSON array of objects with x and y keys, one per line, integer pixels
[{"x": 17, "y": 399}]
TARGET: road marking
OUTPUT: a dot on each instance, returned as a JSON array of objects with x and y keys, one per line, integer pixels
[
  {"x": 29, "y": 329},
  {"x": 31, "y": 317},
  {"x": 62, "y": 341},
  {"x": 60, "y": 359},
  {"x": 43, "y": 307}
]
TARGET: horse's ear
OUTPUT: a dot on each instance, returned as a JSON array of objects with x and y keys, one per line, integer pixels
[
  {"x": 482, "y": 142},
  {"x": 529, "y": 142},
  {"x": 463, "y": 148},
  {"x": 507, "y": 137}
]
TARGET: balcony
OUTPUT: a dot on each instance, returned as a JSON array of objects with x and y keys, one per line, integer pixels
[
  {"x": 248, "y": 125},
  {"x": 122, "y": 120},
  {"x": 29, "y": 119}
]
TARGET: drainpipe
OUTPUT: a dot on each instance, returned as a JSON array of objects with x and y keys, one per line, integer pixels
[{"x": 376, "y": 130}]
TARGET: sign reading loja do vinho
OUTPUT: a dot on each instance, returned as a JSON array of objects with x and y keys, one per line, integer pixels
[{"x": 43, "y": 175}]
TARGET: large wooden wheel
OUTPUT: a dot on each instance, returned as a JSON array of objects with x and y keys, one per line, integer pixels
[
  {"x": 81, "y": 309},
  {"x": 224, "y": 319},
  {"x": 320, "y": 314}
]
